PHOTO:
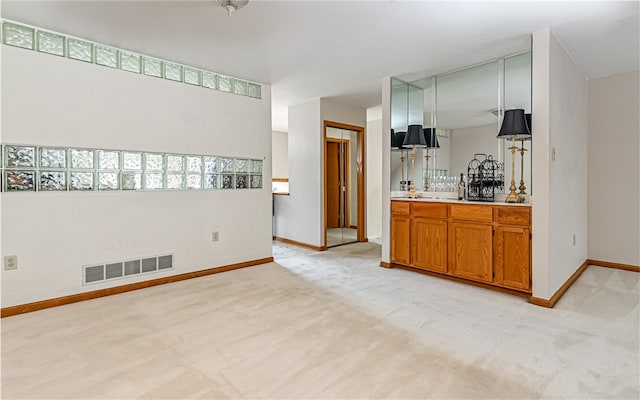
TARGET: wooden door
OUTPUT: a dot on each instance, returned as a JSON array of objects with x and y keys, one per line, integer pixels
[
  {"x": 429, "y": 243},
  {"x": 512, "y": 258},
  {"x": 470, "y": 250},
  {"x": 334, "y": 189}
]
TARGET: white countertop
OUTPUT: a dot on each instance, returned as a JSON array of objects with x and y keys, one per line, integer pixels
[{"x": 451, "y": 197}]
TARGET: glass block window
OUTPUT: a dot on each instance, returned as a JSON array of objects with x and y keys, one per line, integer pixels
[
  {"x": 153, "y": 162},
  {"x": 255, "y": 91},
  {"x": 106, "y": 56},
  {"x": 130, "y": 62},
  {"x": 194, "y": 164},
  {"x": 242, "y": 181},
  {"x": 211, "y": 181},
  {"x": 224, "y": 83},
  {"x": 242, "y": 165},
  {"x": 132, "y": 180},
  {"x": 152, "y": 67},
  {"x": 211, "y": 164},
  {"x": 131, "y": 161},
  {"x": 192, "y": 76},
  {"x": 240, "y": 87},
  {"x": 30, "y": 168},
  {"x": 175, "y": 163},
  {"x": 50, "y": 43},
  {"x": 19, "y": 156},
  {"x": 226, "y": 164},
  {"x": 19, "y": 181},
  {"x": 175, "y": 181},
  {"x": 52, "y": 180},
  {"x": 81, "y": 159},
  {"x": 256, "y": 181},
  {"x": 227, "y": 181},
  {"x": 153, "y": 181},
  {"x": 53, "y": 158},
  {"x": 256, "y": 167},
  {"x": 173, "y": 71},
  {"x": 108, "y": 181},
  {"x": 209, "y": 80},
  {"x": 55, "y": 43},
  {"x": 194, "y": 181},
  {"x": 80, "y": 180},
  {"x": 17, "y": 35},
  {"x": 79, "y": 50},
  {"x": 109, "y": 160}
]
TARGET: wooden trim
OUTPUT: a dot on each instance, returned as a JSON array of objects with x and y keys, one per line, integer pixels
[
  {"x": 385, "y": 264},
  {"x": 462, "y": 280},
  {"x": 554, "y": 299},
  {"x": 74, "y": 298},
  {"x": 300, "y": 244},
  {"x": 279, "y": 179},
  {"x": 360, "y": 170},
  {"x": 607, "y": 264},
  {"x": 281, "y": 193}
]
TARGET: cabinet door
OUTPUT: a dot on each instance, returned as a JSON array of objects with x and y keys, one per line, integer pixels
[
  {"x": 513, "y": 257},
  {"x": 470, "y": 250},
  {"x": 429, "y": 243},
  {"x": 400, "y": 239}
]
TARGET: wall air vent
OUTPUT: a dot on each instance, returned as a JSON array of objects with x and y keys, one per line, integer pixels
[{"x": 96, "y": 273}]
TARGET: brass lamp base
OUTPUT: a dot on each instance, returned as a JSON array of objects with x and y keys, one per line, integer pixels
[
  {"x": 412, "y": 190},
  {"x": 513, "y": 196}
]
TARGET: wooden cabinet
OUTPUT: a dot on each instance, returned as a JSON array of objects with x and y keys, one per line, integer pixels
[
  {"x": 480, "y": 242},
  {"x": 471, "y": 250},
  {"x": 429, "y": 236},
  {"x": 400, "y": 232},
  {"x": 512, "y": 248}
]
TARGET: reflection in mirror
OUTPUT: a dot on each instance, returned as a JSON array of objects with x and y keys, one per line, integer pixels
[
  {"x": 407, "y": 105},
  {"x": 342, "y": 192},
  {"x": 517, "y": 94},
  {"x": 465, "y": 108}
]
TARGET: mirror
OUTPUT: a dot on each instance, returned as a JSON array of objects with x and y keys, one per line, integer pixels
[
  {"x": 341, "y": 155},
  {"x": 466, "y": 108}
]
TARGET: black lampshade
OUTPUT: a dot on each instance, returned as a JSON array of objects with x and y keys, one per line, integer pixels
[
  {"x": 431, "y": 138},
  {"x": 415, "y": 137},
  {"x": 528, "y": 118},
  {"x": 397, "y": 138},
  {"x": 515, "y": 125}
]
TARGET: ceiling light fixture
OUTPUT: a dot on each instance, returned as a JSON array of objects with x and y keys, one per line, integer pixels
[{"x": 232, "y": 5}]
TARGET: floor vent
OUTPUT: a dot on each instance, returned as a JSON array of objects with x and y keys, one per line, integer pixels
[{"x": 125, "y": 269}]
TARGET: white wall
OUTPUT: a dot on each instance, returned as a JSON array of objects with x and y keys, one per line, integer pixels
[
  {"x": 614, "y": 171},
  {"x": 386, "y": 170},
  {"x": 280, "y": 154},
  {"x": 374, "y": 177},
  {"x": 50, "y": 100},
  {"x": 299, "y": 216},
  {"x": 560, "y": 206}
]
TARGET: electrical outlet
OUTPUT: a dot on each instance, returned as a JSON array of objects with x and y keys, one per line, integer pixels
[
  {"x": 215, "y": 236},
  {"x": 10, "y": 262},
  {"x": 574, "y": 239}
]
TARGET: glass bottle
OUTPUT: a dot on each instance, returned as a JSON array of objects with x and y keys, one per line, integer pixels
[{"x": 461, "y": 187}]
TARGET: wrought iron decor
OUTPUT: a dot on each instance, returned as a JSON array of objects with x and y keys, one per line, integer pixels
[{"x": 486, "y": 178}]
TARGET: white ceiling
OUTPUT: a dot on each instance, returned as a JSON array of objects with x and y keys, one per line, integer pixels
[{"x": 339, "y": 49}]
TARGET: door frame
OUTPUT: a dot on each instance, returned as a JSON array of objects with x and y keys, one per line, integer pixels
[
  {"x": 360, "y": 168},
  {"x": 344, "y": 143}
]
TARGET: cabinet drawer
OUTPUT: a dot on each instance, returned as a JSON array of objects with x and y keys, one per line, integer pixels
[
  {"x": 429, "y": 210},
  {"x": 512, "y": 215},
  {"x": 400, "y": 207},
  {"x": 471, "y": 212}
]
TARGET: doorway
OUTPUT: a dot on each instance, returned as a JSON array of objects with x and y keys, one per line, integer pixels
[{"x": 344, "y": 184}]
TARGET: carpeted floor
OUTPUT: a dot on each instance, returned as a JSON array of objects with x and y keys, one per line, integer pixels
[{"x": 330, "y": 324}]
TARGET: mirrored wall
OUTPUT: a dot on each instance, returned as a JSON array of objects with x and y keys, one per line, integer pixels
[{"x": 463, "y": 109}]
